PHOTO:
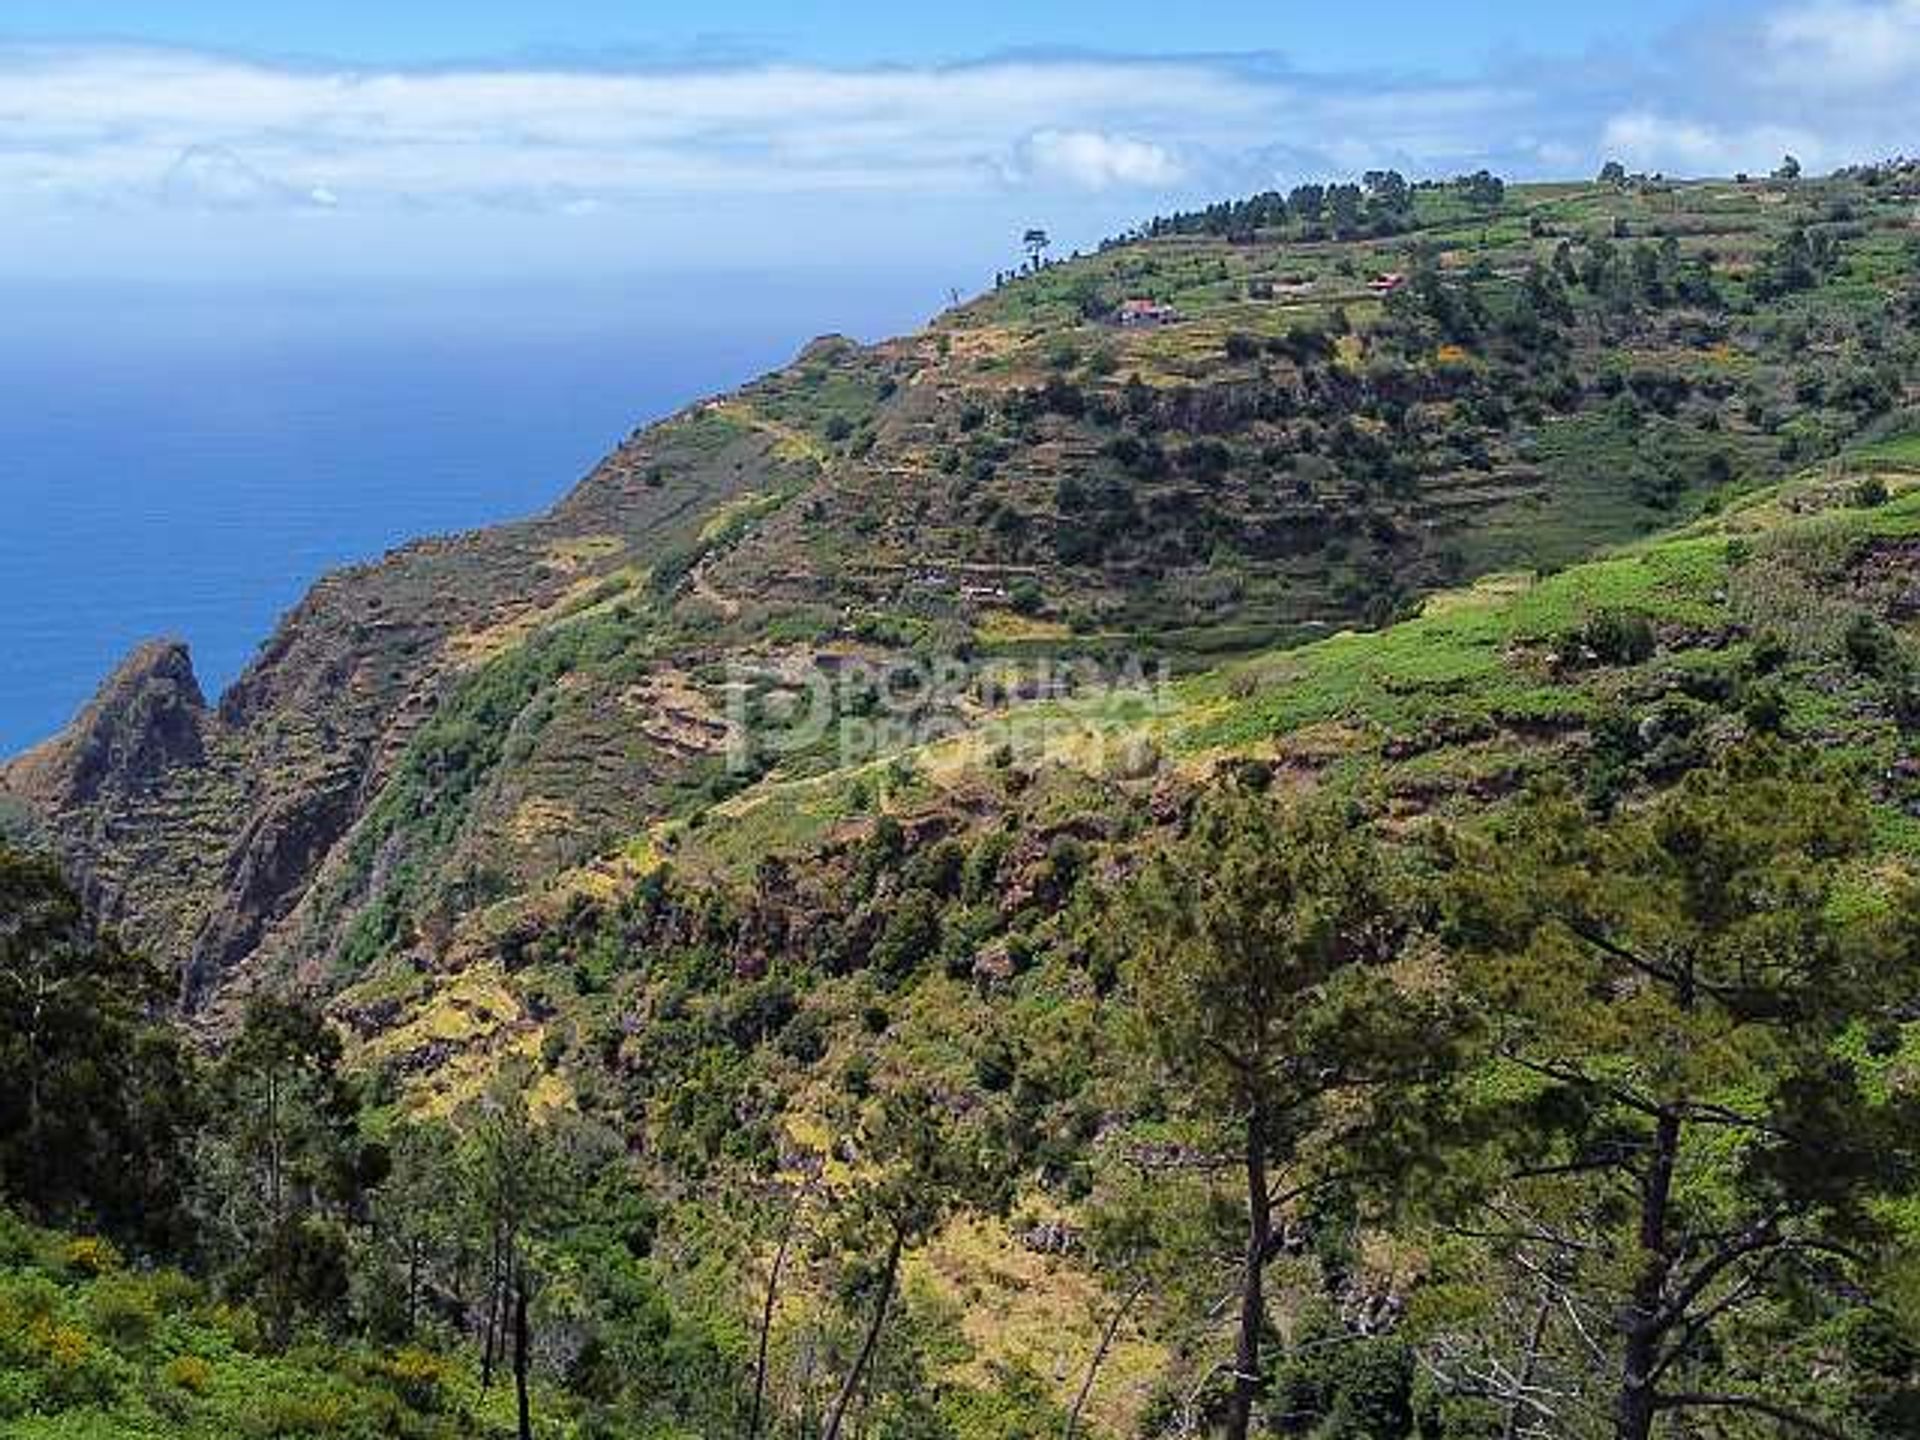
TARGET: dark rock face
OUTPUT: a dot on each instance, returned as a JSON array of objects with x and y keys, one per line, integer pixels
[
  {"x": 280, "y": 850},
  {"x": 1887, "y": 576},
  {"x": 148, "y": 718},
  {"x": 142, "y": 738},
  {"x": 152, "y": 721}
]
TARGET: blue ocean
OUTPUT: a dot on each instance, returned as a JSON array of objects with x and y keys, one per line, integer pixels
[{"x": 186, "y": 461}]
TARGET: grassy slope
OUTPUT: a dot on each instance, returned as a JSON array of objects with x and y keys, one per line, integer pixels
[
  {"x": 1473, "y": 686},
  {"x": 1558, "y": 489},
  {"x": 522, "y": 816},
  {"x": 463, "y": 724},
  {"x": 1489, "y": 686}
]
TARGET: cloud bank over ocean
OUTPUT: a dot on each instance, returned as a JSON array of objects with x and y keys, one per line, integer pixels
[{"x": 681, "y": 164}]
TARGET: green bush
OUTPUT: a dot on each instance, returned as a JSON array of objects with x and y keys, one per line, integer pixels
[
  {"x": 283, "y": 1416},
  {"x": 74, "y": 1370},
  {"x": 1873, "y": 649},
  {"x": 911, "y": 936},
  {"x": 1351, "y": 1389},
  {"x": 19, "y": 1394},
  {"x": 190, "y": 1373},
  {"x": 1611, "y": 637},
  {"x": 19, "y": 1242},
  {"x": 1765, "y": 710},
  {"x": 26, "y": 1302},
  {"x": 122, "y": 1309},
  {"x": 1871, "y": 493},
  {"x": 418, "y": 1377},
  {"x": 90, "y": 1255}
]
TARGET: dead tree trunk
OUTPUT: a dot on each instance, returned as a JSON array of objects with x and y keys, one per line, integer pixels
[
  {"x": 1529, "y": 1367},
  {"x": 1100, "y": 1356},
  {"x": 852, "y": 1387},
  {"x": 766, "y": 1316}
]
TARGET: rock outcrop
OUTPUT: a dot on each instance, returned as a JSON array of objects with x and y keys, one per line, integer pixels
[{"x": 148, "y": 718}]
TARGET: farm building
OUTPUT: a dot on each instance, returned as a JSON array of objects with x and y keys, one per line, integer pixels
[{"x": 1147, "y": 312}]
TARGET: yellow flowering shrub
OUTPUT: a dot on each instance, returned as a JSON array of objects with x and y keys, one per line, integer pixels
[
  {"x": 190, "y": 1373},
  {"x": 90, "y": 1255}
]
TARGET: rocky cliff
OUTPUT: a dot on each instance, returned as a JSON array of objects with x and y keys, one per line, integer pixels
[{"x": 200, "y": 829}]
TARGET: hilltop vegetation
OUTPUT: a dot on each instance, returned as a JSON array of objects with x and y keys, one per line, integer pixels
[{"x": 1339, "y": 864}]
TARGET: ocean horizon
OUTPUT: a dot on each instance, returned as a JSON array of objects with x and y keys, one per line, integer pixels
[{"x": 186, "y": 461}]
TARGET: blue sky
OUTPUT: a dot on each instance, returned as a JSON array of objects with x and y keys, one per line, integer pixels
[
  {"x": 1391, "y": 33},
  {"x": 487, "y": 140}
]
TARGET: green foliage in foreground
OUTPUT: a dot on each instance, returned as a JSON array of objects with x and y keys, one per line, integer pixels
[
  {"x": 1645, "y": 1070},
  {"x": 92, "y": 1348},
  {"x": 1682, "y": 1021},
  {"x": 1272, "y": 956},
  {"x": 1076, "y": 1008},
  {"x": 95, "y": 1096}
]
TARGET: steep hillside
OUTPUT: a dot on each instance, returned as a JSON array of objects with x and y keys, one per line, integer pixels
[
  {"x": 201, "y": 829},
  {"x": 735, "y": 989},
  {"x": 1788, "y": 614},
  {"x": 104, "y": 1350},
  {"x": 775, "y": 816},
  {"x": 1300, "y": 446},
  {"x": 731, "y": 995}
]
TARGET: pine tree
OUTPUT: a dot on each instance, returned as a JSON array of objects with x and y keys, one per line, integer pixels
[
  {"x": 97, "y": 1094},
  {"x": 1685, "y": 1015},
  {"x": 1278, "y": 967},
  {"x": 920, "y": 1163},
  {"x": 281, "y": 1164}
]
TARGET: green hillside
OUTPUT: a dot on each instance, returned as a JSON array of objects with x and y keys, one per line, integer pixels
[
  {"x": 1295, "y": 452},
  {"x": 862, "y": 882},
  {"x": 95, "y": 1349}
]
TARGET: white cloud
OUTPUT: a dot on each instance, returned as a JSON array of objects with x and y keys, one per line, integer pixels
[
  {"x": 1845, "y": 42},
  {"x": 753, "y": 159},
  {"x": 1095, "y": 161},
  {"x": 1830, "y": 81},
  {"x": 1648, "y": 140},
  {"x": 212, "y": 177},
  {"x": 116, "y": 123}
]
